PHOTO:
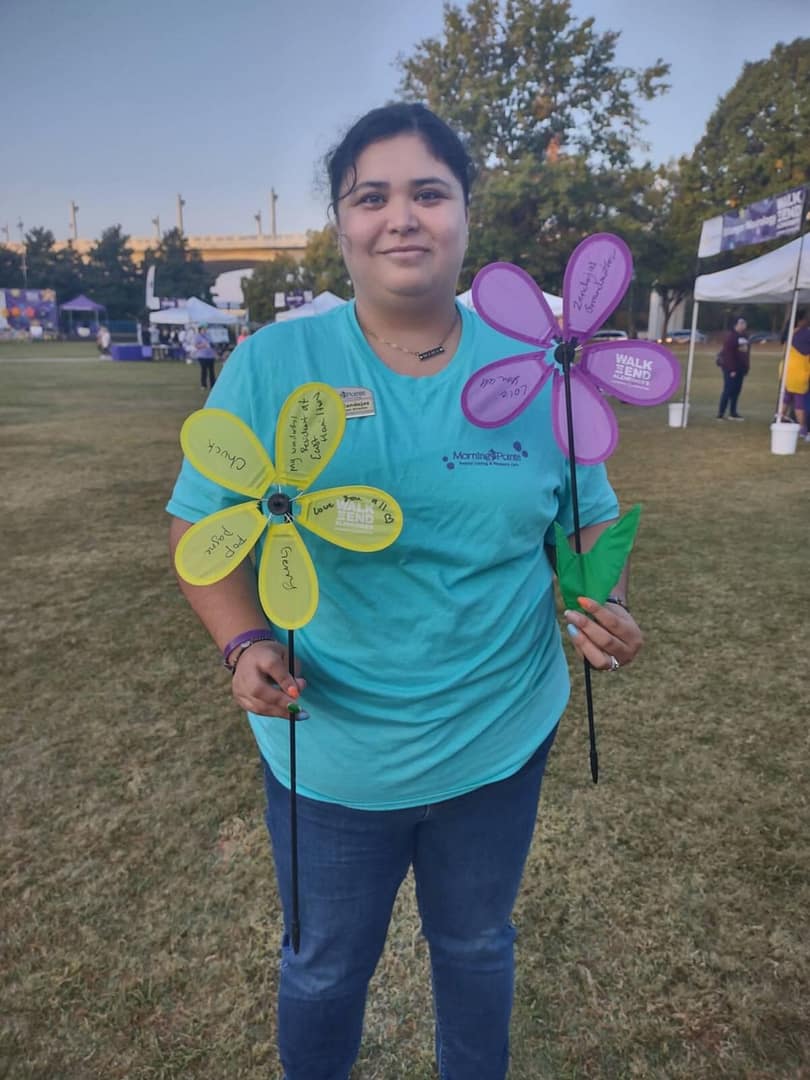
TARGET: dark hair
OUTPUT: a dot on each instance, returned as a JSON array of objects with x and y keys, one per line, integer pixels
[{"x": 385, "y": 123}]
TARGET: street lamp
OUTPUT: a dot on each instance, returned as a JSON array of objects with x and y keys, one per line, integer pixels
[
  {"x": 74, "y": 209},
  {"x": 181, "y": 202},
  {"x": 273, "y": 201},
  {"x": 257, "y": 217},
  {"x": 156, "y": 223}
]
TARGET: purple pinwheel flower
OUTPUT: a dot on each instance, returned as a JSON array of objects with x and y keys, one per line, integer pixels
[{"x": 635, "y": 372}]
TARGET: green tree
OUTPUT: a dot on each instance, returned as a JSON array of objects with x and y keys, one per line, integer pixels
[
  {"x": 324, "y": 264},
  {"x": 534, "y": 213},
  {"x": 517, "y": 77},
  {"x": 111, "y": 277},
  {"x": 666, "y": 248},
  {"x": 753, "y": 146},
  {"x": 756, "y": 140},
  {"x": 11, "y": 275},
  {"x": 551, "y": 121},
  {"x": 62, "y": 270},
  {"x": 180, "y": 271},
  {"x": 277, "y": 276}
]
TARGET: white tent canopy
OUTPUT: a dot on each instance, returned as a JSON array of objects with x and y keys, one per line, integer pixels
[
  {"x": 554, "y": 302},
  {"x": 195, "y": 312},
  {"x": 318, "y": 305},
  {"x": 781, "y": 276},
  {"x": 768, "y": 279},
  {"x": 326, "y": 301}
]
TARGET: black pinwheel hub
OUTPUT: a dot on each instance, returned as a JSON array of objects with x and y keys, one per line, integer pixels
[
  {"x": 565, "y": 353},
  {"x": 279, "y": 504}
]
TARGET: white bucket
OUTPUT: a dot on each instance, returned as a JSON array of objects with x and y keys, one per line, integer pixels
[
  {"x": 676, "y": 414},
  {"x": 784, "y": 438}
]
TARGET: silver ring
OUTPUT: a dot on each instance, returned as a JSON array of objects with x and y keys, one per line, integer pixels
[{"x": 614, "y": 664}]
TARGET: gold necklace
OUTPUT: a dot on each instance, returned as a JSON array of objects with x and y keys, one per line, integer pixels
[{"x": 428, "y": 354}]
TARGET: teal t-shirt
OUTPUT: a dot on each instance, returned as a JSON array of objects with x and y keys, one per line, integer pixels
[{"x": 435, "y": 666}]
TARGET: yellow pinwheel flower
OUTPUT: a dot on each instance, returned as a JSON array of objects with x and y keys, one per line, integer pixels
[{"x": 308, "y": 432}]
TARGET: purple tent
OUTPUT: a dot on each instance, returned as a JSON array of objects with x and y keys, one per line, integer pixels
[{"x": 82, "y": 303}]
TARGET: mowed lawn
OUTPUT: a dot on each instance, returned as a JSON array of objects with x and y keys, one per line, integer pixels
[{"x": 664, "y": 922}]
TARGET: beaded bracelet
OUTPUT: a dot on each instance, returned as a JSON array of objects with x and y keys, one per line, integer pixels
[
  {"x": 616, "y": 600},
  {"x": 246, "y": 638}
]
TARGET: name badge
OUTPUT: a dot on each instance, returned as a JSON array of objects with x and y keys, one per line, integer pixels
[{"x": 357, "y": 400}]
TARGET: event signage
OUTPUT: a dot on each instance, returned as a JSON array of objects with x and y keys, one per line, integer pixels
[
  {"x": 773, "y": 218},
  {"x": 24, "y": 308},
  {"x": 293, "y": 298}
]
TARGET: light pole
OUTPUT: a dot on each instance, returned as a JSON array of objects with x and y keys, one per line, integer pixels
[
  {"x": 181, "y": 202},
  {"x": 273, "y": 201},
  {"x": 8, "y": 237},
  {"x": 156, "y": 223},
  {"x": 21, "y": 227},
  {"x": 257, "y": 217},
  {"x": 74, "y": 209}
]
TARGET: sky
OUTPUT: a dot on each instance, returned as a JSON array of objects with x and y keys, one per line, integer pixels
[{"x": 119, "y": 105}]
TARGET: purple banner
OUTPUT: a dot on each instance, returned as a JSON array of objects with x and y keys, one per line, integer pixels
[
  {"x": 769, "y": 219},
  {"x": 24, "y": 308}
]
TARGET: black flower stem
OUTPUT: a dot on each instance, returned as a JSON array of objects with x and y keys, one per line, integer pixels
[
  {"x": 567, "y": 355},
  {"x": 295, "y": 926}
]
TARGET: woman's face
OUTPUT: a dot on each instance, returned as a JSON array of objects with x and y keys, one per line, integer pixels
[{"x": 403, "y": 227}]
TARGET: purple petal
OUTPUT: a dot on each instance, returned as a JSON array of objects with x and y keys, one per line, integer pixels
[
  {"x": 499, "y": 392},
  {"x": 637, "y": 372},
  {"x": 596, "y": 432},
  {"x": 596, "y": 279},
  {"x": 507, "y": 298}
]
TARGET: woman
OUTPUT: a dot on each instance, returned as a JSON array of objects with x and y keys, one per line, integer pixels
[
  {"x": 435, "y": 677},
  {"x": 205, "y": 355},
  {"x": 734, "y": 361},
  {"x": 797, "y": 380}
]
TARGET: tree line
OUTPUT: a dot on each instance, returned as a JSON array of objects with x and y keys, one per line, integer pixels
[{"x": 108, "y": 273}]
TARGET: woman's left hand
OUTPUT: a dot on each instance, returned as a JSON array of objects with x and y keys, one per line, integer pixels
[{"x": 608, "y": 637}]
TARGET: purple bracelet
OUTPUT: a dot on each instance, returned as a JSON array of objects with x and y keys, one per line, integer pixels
[{"x": 247, "y": 637}]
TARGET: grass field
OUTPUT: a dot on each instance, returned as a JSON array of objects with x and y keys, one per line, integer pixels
[
  {"x": 664, "y": 920},
  {"x": 48, "y": 350}
]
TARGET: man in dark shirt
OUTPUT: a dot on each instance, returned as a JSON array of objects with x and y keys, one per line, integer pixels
[{"x": 734, "y": 363}]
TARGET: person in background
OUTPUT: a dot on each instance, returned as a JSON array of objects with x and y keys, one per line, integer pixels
[
  {"x": 205, "y": 355},
  {"x": 188, "y": 338},
  {"x": 426, "y": 740},
  {"x": 243, "y": 335},
  {"x": 103, "y": 340},
  {"x": 797, "y": 379},
  {"x": 734, "y": 361},
  {"x": 175, "y": 348}
]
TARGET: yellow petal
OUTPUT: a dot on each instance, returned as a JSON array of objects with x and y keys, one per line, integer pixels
[
  {"x": 215, "y": 546},
  {"x": 288, "y": 585},
  {"x": 310, "y": 427},
  {"x": 354, "y": 516},
  {"x": 223, "y": 448}
]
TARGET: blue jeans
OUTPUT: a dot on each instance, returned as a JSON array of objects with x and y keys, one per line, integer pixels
[
  {"x": 732, "y": 385},
  {"x": 467, "y": 855}
]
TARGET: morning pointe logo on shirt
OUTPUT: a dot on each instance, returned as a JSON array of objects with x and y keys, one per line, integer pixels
[{"x": 509, "y": 458}]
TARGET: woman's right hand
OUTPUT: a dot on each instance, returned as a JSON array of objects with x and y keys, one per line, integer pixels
[{"x": 262, "y": 682}]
